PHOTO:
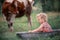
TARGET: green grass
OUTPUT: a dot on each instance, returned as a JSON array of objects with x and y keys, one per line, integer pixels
[{"x": 21, "y": 24}]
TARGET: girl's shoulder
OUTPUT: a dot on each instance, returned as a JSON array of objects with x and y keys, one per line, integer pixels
[{"x": 46, "y": 24}]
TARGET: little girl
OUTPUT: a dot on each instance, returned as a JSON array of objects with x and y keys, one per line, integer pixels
[{"x": 43, "y": 20}]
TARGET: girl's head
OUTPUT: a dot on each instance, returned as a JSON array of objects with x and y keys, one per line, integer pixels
[{"x": 42, "y": 17}]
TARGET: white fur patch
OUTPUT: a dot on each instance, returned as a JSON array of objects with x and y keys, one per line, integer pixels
[
  {"x": 32, "y": 2},
  {"x": 24, "y": 1},
  {"x": 10, "y": 1},
  {"x": 15, "y": 3},
  {"x": 13, "y": 17}
]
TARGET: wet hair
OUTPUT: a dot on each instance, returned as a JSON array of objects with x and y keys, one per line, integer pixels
[{"x": 43, "y": 15}]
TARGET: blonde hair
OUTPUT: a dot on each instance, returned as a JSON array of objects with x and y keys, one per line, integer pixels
[{"x": 43, "y": 15}]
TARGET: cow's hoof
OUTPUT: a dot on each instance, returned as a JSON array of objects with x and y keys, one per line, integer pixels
[{"x": 11, "y": 29}]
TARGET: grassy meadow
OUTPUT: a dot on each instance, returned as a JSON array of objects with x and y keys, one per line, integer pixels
[{"x": 21, "y": 24}]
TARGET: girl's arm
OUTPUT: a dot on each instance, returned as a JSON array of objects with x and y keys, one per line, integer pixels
[{"x": 39, "y": 29}]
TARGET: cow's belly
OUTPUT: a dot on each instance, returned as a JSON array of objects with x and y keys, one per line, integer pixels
[{"x": 19, "y": 15}]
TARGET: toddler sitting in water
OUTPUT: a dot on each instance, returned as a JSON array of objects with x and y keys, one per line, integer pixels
[{"x": 43, "y": 20}]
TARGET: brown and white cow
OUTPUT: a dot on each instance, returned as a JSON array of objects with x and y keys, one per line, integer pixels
[{"x": 16, "y": 8}]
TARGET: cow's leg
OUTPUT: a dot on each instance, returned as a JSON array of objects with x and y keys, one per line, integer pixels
[
  {"x": 10, "y": 20},
  {"x": 28, "y": 13},
  {"x": 29, "y": 21},
  {"x": 4, "y": 18},
  {"x": 10, "y": 24}
]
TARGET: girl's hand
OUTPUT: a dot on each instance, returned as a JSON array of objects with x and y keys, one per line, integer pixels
[{"x": 30, "y": 31}]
